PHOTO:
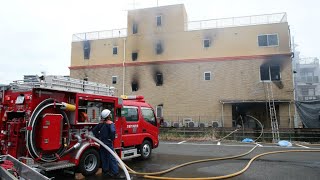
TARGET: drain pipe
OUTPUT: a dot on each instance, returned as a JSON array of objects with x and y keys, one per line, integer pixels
[
  {"x": 123, "y": 166},
  {"x": 123, "y": 65}
]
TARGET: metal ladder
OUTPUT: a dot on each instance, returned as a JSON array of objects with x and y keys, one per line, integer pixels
[
  {"x": 65, "y": 84},
  {"x": 273, "y": 113}
]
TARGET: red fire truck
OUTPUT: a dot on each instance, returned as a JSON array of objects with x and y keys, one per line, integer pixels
[{"x": 44, "y": 124}]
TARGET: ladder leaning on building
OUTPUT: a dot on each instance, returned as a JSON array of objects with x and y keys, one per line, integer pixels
[{"x": 273, "y": 113}]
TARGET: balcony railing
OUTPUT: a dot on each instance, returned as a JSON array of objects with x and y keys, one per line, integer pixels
[
  {"x": 192, "y": 25},
  {"x": 114, "y": 33},
  {"x": 236, "y": 21},
  {"x": 308, "y": 79}
]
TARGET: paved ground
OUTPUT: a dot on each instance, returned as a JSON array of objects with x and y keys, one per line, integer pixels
[{"x": 293, "y": 166}]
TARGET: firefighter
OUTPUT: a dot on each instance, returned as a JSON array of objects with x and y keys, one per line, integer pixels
[{"x": 105, "y": 131}]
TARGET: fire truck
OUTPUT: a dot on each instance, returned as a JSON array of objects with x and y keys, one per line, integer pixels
[{"x": 44, "y": 124}]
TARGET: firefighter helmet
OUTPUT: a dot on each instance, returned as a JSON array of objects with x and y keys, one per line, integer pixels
[{"x": 105, "y": 113}]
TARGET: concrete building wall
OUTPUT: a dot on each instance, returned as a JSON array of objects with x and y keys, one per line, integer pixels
[
  {"x": 226, "y": 42},
  {"x": 233, "y": 59},
  {"x": 185, "y": 92}
]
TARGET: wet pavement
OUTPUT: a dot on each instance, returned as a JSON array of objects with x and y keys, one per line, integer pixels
[{"x": 293, "y": 166}]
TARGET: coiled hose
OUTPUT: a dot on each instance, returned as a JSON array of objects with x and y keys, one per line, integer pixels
[{"x": 30, "y": 139}]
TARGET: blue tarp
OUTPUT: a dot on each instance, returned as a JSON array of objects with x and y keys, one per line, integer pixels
[{"x": 247, "y": 140}]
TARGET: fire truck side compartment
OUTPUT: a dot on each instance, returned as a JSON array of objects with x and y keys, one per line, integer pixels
[{"x": 51, "y": 132}]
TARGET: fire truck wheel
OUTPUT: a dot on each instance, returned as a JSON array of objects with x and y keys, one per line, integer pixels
[
  {"x": 145, "y": 150},
  {"x": 89, "y": 162}
]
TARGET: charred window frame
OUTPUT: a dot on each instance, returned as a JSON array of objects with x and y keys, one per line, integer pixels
[
  {"x": 115, "y": 50},
  {"x": 268, "y": 40},
  {"x": 114, "y": 79},
  {"x": 159, "y": 79},
  {"x": 134, "y": 86},
  {"x": 134, "y": 28},
  {"x": 159, "y": 48},
  {"x": 134, "y": 56},
  {"x": 159, "y": 20},
  {"x": 206, "y": 43},
  {"x": 207, "y": 76},
  {"x": 270, "y": 73}
]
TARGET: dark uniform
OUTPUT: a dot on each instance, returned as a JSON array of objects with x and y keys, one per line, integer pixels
[{"x": 106, "y": 133}]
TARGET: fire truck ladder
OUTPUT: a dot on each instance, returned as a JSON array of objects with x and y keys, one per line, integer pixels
[
  {"x": 273, "y": 113},
  {"x": 66, "y": 84}
]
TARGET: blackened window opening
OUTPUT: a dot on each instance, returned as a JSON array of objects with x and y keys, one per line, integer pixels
[
  {"x": 115, "y": 50},
  {"x": 134, "y": 86},
  {"x": 134, "y": 28},
  {"x": 270, "y": 73},
  {"x": 159, "y": 21},
  {"x": 206, "y": 43},
  {"x": 159, "y": 79},
  {"x": 134, "y": 56},
  {"x": 159, "y": 48}
]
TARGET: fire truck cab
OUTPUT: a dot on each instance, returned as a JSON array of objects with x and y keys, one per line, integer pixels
[{"x": 44, "y": 124}]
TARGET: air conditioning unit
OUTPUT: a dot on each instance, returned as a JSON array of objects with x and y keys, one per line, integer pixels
[
  {"x": 167, "y": 124},
  {"x": 176, "y": 124},
  {"x": 216, "y": 124},
  {"x": 202, "y": 125},
  {"x": 186, "y": 122}
]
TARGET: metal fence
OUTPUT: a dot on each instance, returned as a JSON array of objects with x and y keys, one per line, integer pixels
[
  {"x": 210, "y": 133},
  {"x": 114, "y": 33},
  {"x": 202, "y": 121},
  {"x": 236, "y": 21}
]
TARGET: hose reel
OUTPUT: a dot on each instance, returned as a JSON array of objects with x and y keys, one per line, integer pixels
[{"x": 33, "y": 127}]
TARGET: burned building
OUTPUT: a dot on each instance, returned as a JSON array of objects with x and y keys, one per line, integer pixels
[{"x": 202, "y": 73}]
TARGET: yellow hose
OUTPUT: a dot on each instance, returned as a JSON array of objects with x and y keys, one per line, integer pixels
[
  {"x": 188, "y": 163},
  {"x": 233, "y": 174}
]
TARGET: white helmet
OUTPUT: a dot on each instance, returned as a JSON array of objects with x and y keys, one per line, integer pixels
[{"x": 105, "y": 113}]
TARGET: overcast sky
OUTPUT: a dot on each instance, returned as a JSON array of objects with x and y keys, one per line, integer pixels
[{"x": 36, "y": 34}]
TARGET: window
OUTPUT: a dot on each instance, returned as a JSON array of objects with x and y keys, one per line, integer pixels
[
  {"x": 311, "y": 92},
  {"x": 206, "y": 43},
  {"x": 159, "y": 79},
  {"x": 268, "y": 40},
  {"x": 115, "y": 50},
  {"x": 304, "y": 92},
  {"x": 130, "y": 113},
  {"x": 148, "y": 115},
  {"x": 159, "y": 111},
  {"x": 134, "y": 28},
  {"x": 134, "y": 56},
  {"x": 159, "y": 48},
  {"x": 134, "y": 86},
  {"x": 114, "y": 79},
  {"x": 309, "y": 77},
  {"x": 159, "y": 20},
  {"x": 270, "y": 73},
  {"x": 86, "y": 49},
  {"x": 207, "y": 76}
]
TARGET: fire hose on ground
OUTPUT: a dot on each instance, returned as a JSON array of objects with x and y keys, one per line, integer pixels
[
  {"x": 150, "y": 175},
  {"x": 122, "y": 165}
]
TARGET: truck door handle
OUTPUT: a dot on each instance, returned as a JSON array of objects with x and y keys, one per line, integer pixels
[
  {"x": 144, "y": 130},
  {"x": 126, "y": 131}
]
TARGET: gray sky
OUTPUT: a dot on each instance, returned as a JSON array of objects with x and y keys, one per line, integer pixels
[{"x": 36, "y": 34}]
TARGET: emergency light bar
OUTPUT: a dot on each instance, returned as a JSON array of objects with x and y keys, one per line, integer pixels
[{"x": 132, "y": 97}]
